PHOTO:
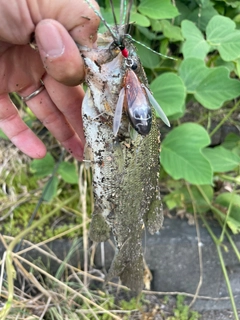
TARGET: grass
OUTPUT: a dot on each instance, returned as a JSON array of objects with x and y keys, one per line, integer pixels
[{"x": 29, "y": 287}]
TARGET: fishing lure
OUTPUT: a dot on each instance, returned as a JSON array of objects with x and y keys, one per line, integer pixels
[
  {"x": 138, "y": 101},
  {"x": 125, "y": 170},
  {"x": 134, "y": 97}
]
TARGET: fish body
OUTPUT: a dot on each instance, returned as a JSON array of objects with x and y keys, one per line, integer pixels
[{"x": 125, "y": 166}]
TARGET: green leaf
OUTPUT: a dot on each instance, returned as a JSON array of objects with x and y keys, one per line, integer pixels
[
  {"x": 223, "y": 36},
  {"x": 156, "y": 9},
  {"x": 217, "y": 88},
  {"x": 181, "y": 154},
  {"x": 42, "y": 167},
  {"x": 195, "y": 44},
  {"x": 231, "y": 141},
  {"x": 3, "y": 136},
  {"x": 181, "y": 198},
  {"x": 170, "y": 31},
  {"x": 237, "y": 64},
  {"x": 193, "y": 71},
  {"x": 169, "y": 91},
  {"x": 135, "y": 17},
  {"x": 202, "y": 14},
  {"x": 140, "y": 19},
  {"x": 231, "y": 201},
  {"x": 184, "y": 12},
  {"x": 196, "y": 198},
  {"x": 68, "y": 172},
  {"x": 221, "y": 159},
  {"x": 202, "y": 203},
  {"x": 210, "y": 86},
  {"x": 148, "y": 58},
  {"x": 230, "y": 65},
  {"x": 50, "y": 189}
]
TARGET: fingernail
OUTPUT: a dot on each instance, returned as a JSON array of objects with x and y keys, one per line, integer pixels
[{"x": 49, "y": 40}]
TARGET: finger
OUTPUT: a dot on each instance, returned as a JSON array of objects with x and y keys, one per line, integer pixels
[
  {"x": 69, "y": 101},
  {"x": 85, "y": 32},
  {"x": 20, "y": 18},
  {"x": 17, "y": 131},
  {"x": 53, "y": 119},
  {"x": 59, "y": 53},
  {"x": 28, "y": 71}
]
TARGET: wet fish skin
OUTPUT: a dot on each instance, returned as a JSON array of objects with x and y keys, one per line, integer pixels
[{"x": 125, "y": 170}]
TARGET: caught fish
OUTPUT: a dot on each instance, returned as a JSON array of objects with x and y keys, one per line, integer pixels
[{"x": 123, "y": 146}]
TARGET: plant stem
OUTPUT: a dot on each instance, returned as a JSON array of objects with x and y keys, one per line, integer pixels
[
  {"x": 225, "y": 118},
  {"x": 228, "y": 284}
]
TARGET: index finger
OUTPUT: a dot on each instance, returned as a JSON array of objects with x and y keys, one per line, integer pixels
[{"x": 75, "y": 15}]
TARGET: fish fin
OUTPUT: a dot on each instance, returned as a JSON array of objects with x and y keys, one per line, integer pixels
[
  {"x": 128, "y": 265},
  {"x": 99, "y": 229}
]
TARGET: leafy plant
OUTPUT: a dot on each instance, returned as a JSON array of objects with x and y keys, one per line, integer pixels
[
  {"x": 199, "y": 92},
  {"x": 182, "y": 311},
  {"x": 46, "y": 167}
]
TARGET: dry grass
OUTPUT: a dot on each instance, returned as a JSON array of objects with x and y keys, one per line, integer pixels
[{"x": 29, "y": 288}]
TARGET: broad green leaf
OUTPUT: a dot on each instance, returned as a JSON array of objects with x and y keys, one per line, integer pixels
[
  {"x": 237, "y": 63},
  {"x": 140, "y": 19},
  {"x": 223, "y": 36},
  {"x": 217, "y": 88},
  {"x": 170, "y": 31},
  {"x": 210, "y": 86},
  {"x": 193, "y": 71},
  {"x": 182, "y": 157},
  {"x": 196, "y": 198},
  {"x": 231, "y": 141},
  {"x": 221, "y": 159},
  {"x": 169, "y": 91},
  {"x": 148, "y": 58},
  {"x": 148, "y": 35},
  {"x": 184, "y": 12},
  {"x": 231, "y": 201},
  {"x": 68, "y": 172},
  {"x": 202, "y": 15},
  {"x": 42, "y": 167},
  {"x": 181, "y": 198},
  {"x": 230, "y": 65},
  {"x": 195, "y": 44},
  {"x": 50, "y": 189},
  {"x": 156, "y": 9}
]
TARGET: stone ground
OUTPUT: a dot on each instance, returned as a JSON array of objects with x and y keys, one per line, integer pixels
[{"x": 172, "y": 257}]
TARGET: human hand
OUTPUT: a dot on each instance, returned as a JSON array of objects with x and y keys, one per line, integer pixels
[{"x": 56, "y": 24}]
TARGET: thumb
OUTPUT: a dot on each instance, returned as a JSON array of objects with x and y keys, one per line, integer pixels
[{"x": 59, "y": 53}]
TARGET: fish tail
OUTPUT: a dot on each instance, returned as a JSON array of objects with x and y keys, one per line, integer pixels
[{"x": 128, "y": 265}]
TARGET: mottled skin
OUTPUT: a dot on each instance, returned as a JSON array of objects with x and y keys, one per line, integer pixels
[{"x": 125, "y": 170}]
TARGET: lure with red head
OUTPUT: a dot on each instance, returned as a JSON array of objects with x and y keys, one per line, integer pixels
[
  {"x": 125, "y": 52},
  {"x": 137, "y": 101}
]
